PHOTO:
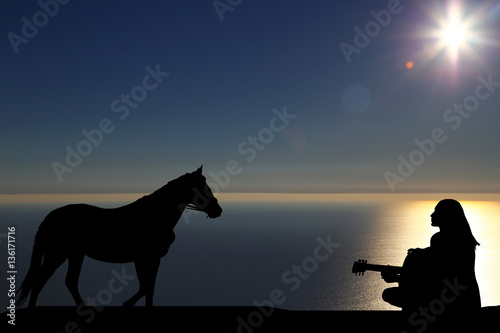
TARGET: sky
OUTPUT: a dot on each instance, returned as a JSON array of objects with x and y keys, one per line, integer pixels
[{"x": 269, "y": 96}]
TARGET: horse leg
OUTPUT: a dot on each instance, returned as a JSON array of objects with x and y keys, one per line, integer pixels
[
  {"x": 49, "y": 266},
  {"x": 74, "y": 268},
  {"x": 138, "y": 295},
  {"x": 150, "y": 280},
  {"x": 146, "y": 272}
]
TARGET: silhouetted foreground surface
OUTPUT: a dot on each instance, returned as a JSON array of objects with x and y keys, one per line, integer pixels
[{"x": 219, "y": 319}]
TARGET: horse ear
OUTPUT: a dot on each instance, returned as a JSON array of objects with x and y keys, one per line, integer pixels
[{"x": 200, "y": 169}]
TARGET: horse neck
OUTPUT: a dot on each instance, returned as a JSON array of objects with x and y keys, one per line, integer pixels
[{"x": 167, "y": 202}]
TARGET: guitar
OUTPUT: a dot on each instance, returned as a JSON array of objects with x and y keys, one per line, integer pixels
[{"x": 361, "y": 266}]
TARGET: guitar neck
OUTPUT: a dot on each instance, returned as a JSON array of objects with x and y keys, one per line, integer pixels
[
  {"x": 362, "y": 266},
  {"x": 380, "y": 268}
]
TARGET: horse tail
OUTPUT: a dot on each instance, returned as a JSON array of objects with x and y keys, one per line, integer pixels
[{"x": 33, "y": 271}]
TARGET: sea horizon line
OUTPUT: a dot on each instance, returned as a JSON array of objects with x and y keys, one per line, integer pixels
[{"x": 255, "y": 196}]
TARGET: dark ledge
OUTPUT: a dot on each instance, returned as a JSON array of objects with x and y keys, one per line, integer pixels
[{"x": 222, "y": 319}]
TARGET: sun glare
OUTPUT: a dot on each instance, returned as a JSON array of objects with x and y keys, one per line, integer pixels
[{"x": 453, "y": 35}]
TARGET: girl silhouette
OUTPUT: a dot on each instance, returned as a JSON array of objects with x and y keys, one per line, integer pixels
[
  {"x": 454, "y": 249},
  {"x": 442, "y": 274}
]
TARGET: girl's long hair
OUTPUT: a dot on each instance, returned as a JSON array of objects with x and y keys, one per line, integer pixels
[{"x": 457, "y": 225}]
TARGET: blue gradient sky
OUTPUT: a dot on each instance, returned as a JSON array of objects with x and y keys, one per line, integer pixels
[{"x": 349, "y": 127}]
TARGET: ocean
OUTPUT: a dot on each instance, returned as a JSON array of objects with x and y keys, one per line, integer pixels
[{"x": 294, "y": 252}]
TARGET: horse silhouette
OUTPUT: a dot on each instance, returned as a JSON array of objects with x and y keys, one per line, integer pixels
[{"x": 140, "y": 232}]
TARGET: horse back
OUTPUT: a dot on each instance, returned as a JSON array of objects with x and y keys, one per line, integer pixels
[{"x": 106, "y": 234}]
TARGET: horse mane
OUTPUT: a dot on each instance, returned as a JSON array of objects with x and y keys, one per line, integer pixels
[{"x": 172, "y": 188}]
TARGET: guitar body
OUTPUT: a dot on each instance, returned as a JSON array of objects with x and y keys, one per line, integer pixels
[{"x": 418, "y": 279}]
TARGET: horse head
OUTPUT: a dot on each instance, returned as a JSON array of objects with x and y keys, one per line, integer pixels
[{"x": 201, "y": 197}]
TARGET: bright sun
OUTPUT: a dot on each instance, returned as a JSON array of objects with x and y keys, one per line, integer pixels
[{"x": 453, "y": 35}]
